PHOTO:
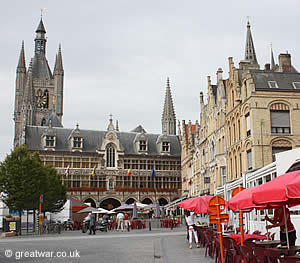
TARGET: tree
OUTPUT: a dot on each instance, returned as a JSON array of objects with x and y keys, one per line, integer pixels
[{"x": 23, "y": 178}]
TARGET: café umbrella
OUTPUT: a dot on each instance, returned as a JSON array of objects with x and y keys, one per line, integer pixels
[
  {"x": 280, "y": 191},
  {"x": 197, "y": 204}
]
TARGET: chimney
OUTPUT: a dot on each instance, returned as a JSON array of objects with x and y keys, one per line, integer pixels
[
  {"x": 268, "y": 67},
  {"x": 219, "y": 75},
  {"x": 285, "y": 60}
]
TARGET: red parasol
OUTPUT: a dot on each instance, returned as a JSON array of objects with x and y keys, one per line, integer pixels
[
  {"x": 274, "y": 193},
  {"x": 293, "y": 188},
  {"x": 243, "y": 200},
  {"x": 197, "y": 204}
]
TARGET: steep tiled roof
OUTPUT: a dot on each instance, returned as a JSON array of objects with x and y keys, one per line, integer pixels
[
  {"x": 92, "y": 139},
  {"x": 284, "y": 80}
]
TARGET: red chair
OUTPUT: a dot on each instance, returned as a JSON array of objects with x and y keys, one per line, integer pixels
[
  {"x": 273, "y": 255},
  {"x": 260, "y": 254},
  {"x": 290, "y": 259},
  {"x": 230, "y": 253},
  {"x": 247, "y": 254}
]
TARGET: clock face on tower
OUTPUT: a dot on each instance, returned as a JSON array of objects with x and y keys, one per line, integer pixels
[{"x": 41, "y": 99}]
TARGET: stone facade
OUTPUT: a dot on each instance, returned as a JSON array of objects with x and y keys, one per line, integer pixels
[
  {"x": 105, "y": 168},
  {"x": 248, "y": 117}
]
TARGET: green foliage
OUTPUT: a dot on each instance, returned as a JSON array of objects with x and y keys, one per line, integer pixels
[{"x": 23, "y": 178}]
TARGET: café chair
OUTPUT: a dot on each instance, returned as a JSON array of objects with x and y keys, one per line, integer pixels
[
  {"x": 260, "y": 254},
  {"x": 247, "y": 254},
  {"x": 290, "y": 259},
  {"x": 231, "y": 253}
]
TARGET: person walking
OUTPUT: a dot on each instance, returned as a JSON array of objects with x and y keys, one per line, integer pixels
[
  {"x": 278, "y": 220},
  {"x": 189, "y": 218},
  {"x": 120, "y": 219},
  {"x": 92, "y": 224},
  {"x": 126, "y": 221}
]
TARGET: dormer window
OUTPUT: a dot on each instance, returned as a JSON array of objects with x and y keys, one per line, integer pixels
[
  {"x": 49, "y": 141},
  {"x": 273, "y": 84},
  {"x": 77, "y": 142},
  {"x": 296, "y": 85},
  {"x": 143, "y": 145},
  {"x": 165, "y": 146}
]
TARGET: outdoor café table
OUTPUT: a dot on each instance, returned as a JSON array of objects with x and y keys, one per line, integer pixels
[
  {"x": 237, "y": 237},
  {"x": 266, "y": 243}
]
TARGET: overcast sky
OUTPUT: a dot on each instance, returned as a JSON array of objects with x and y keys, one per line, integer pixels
[{"x": 118, "y": 54}]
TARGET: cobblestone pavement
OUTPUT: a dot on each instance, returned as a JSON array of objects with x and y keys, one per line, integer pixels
[{"x": 157, "y": 246}]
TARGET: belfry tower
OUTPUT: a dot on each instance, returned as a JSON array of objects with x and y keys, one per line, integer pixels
[
  {"x": 38, "y": 92},
  {"x": 168, "y": 119}
]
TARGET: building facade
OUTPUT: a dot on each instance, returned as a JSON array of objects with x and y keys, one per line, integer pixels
[
  {"x": 105, "y": 168},
  {"x": 248, "y": 118}
]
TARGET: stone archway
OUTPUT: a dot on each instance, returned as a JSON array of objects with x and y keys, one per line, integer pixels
[
  {"x": 162, "y": 201},
  {"x": 91, "y": 201},
  {"x": 147, "y": 201},
  {"x": 110, "y": 203},
  {"x": 130, "y": 201}
]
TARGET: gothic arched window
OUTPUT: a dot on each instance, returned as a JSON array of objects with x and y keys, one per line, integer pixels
[{"x": 110, "y": 156}]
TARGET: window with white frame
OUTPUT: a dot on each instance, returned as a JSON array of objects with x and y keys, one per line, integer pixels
[
  {"x": 49, "y": 141},
  {"x": 273, "y": 84},
  {"x": 248, "y": 128},
  {"x": 296, "y": 85},
  {"x": 280, "y": 121},
  {"x": 249, "y": 157}
]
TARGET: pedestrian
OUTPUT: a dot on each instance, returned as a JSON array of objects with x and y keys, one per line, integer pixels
[
  {"x": 120, "y": 219},
  {"x": 279, "y": 220},
  {"x": 189, "y": 218},
  {"x": 126, "y": 221},
  {"x": 92, "y": 224}
]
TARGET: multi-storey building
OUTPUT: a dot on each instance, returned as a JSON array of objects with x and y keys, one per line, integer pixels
[
  {"x": 187, "y": 148},
  {"x": 247, "y": 119},
  {"x": 105, "y": 168}
]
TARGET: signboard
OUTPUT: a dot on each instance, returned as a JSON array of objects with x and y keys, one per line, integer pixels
[
  {"x": 224, "y": 218},
  {"x": 237, "y": 190},
  {"x": 12, "y": 226},
  {"x": 216, "y": 202}
]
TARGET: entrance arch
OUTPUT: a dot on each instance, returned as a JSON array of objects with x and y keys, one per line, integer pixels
[
  {"x": 147, "y": 201},
  {"x": 91, "y": 201},
  {"x": 110, "y": 203},
  {"x": 162, "y": 201},
  {"x": 130, "y": 201}
]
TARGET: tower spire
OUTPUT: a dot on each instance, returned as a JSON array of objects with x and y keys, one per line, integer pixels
[
  {"x": 168, "y": 116},
  {"x": 58, "y": 61},
  {"x": 21, "y": 63},
  {"x": 272, "y": 59},
  {"x": 250, "y": 54}
]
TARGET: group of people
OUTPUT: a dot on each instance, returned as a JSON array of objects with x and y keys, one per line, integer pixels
[
  {"x": 281, "y": 219},
  {"x": 123, "y": 220}
]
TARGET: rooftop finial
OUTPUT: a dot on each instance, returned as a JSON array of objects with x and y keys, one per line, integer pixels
[
  {"x": 77, "y": 126},
  {"x": 168, "y": 82},
  {"x": 248, "y": 20}
]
